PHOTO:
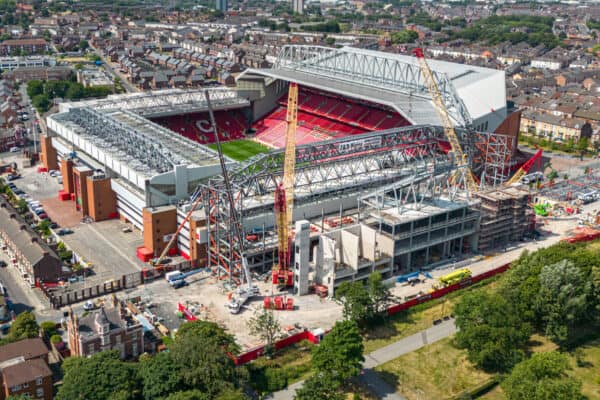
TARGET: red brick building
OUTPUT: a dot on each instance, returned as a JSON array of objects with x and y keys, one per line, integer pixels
[
  {"x": 29, "y": 46},
  {"x": 24, "y": 369},
  {"x": 109, "y": 328}
]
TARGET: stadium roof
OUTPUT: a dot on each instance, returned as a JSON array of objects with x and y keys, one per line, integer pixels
[
  {"x": 161, "y": 103},
  {"x": 144, "y": 146},
  {"x": 392, "y": 79}
]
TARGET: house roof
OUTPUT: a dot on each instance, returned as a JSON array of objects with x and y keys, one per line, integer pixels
[
  {"x": 26, "y": 348},
  {"x": 28, "y": 242},
  {"x": 26, "y": 371}
]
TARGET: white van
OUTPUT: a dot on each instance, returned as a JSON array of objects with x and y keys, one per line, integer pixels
[
  {"x": 15, "y": 149},
  {"x": 173, "y": 275}
]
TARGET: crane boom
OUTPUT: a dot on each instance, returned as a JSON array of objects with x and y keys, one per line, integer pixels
[
  {"x": 284, "y": 194},
  {"x": 525, "y": 168},
  {"x": 235, "y": 227},
  {"x": 442, "y": 112}
]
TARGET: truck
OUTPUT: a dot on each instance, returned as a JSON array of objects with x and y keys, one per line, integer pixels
[{"x": 455, "y": 276}]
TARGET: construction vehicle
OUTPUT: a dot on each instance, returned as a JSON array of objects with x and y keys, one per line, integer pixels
[
  {"x": 245, "y": 290},
  {"x": 455, "y": 276},
  {"x": 461, "y": 157},
  {"x": 522, "y": 172},
  {"x": 282, "y": 274},
  {"x": 540, "y": 209},
  {"x": 177, "y": 278},
  {"x": 279, "y": 303}
]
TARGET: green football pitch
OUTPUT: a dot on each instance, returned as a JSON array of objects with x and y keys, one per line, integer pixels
[{"x": 241, "y": 150}]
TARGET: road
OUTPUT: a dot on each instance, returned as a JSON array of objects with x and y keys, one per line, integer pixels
[
  {"x": 369, "y": 377},
  {"x": 114, "y": 73},
  {"x": 25, "y": 298}
]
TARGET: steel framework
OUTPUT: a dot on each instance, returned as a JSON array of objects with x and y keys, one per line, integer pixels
[
  {"x": 494, "y": 157},
  {"x": 378, "y": 70},
  {"x": 347, "y": 168},
  {"x": 167, "y": 102}
]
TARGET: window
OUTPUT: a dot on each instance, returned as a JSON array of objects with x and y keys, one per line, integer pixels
[
  {"x": 25, "y": 385},
  {"x": 15, "y": 388},
  {"x": 39, "y": 392},
  {"x": 38, "y": 380}
]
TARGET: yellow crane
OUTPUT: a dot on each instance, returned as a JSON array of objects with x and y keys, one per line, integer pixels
[
  {"x": 284, "y": 194},
  {"x": 440, "y": 108}
]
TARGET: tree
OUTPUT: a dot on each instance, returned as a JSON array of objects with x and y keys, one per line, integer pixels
[
  {"x": 265, "y": 325},
  {"x": 542, "y": 377},
  {"x": 562, "y": 299},
  {"x": 404, "y": 36},
  {"x": 22, "y": 206},
  {"x": 76, "y": 91},
  {"x": 24, "y": 327},
  {"x": 34, "y": 88},
  {"x": 319, "y": 387},
  {"x": 490, "y": 330},
  {"x": 159, "y": 376},
  {"x": 210, "y": 370},
  {"x": 340, "y": 353},
  {"x": 379, "y": 292},
  {"x": 188, "y": 395},
  {"x": 83, "y": 45},
  {"x": 211, "y": 330},
  {"x": 356, "y": 301},
  {"x": 99, "y": 377},
  {"x": 41, "y": 102}
]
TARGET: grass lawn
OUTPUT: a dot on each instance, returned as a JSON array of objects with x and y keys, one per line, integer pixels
[
  {"x": 295, "y": 360},
  {"x": 241, "y": 150},
  {"x": 436, "y": 371}
]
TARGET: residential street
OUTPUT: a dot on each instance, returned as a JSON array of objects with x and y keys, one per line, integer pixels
[{"x": 369, "y": 377}]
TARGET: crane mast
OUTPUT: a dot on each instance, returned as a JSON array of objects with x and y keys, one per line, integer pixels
[
  {"x": 442, "y": 112},
  {"x": 284, "y": 194}
]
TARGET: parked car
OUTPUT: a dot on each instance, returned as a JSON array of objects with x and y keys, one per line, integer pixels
[
  {"x": 53, "y": 172},
  {"x": 88, "y": 305},
  {"x": 53, "y": 225},
  {"x": 12, "y": 186},
  {"x": 18, "y": 192},
  {"x": 43, "y": 216},
  {"x": 64, "y": 231},
  {"x": 38, "y": 210},
  {"x": 2, "y": 264},
  {"x": 14, "y": 149}
]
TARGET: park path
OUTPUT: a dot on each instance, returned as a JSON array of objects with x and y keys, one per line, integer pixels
[{"x": 369, "y": 376}]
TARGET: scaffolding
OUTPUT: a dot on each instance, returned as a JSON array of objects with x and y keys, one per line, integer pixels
[{"x": 496, "y": 162}]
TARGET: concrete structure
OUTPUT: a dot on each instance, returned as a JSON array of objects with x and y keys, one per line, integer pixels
[
  {"x": 34, "y": 259},
  {"x": 298, "y": 6},
  {"x": 10, "y": 63},
  {"x": 109, "y": 328},
  {"x": 24, "y": 369},
  {"x": 221, "y": 5}
]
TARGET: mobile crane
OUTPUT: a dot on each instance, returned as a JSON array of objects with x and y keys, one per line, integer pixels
[
  {"x": 282, "y": 274},
  {"x": 440, "y": 108},
  {"x": 246, "y": 290},
  {"x": 521, "y": 172}
]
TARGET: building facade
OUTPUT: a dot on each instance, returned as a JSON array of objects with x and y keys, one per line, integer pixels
[
  {"x": 24, "y": 370},
  {"x": 221, "y": 5},
  {"x": 109, "y": 328}
]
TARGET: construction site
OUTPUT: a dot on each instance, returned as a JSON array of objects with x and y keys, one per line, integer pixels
[{"x": 397, "y": 168}]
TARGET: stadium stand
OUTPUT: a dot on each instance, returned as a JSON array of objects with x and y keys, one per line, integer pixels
[
  {"x": 231, "y": 125},
  {"x": 323, "y": 116}
]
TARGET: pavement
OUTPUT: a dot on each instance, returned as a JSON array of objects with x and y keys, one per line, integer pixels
[{"x": 369, "y": 376}]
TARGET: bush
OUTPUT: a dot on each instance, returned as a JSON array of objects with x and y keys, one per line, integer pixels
[
  {"x": 49, "y": 327},
  {"x": 276, "y": 379},
  {"x": 55, "y": 339}
]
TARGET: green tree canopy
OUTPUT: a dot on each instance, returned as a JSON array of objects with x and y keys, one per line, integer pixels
[
  {"x": 99, "y": 377},
  {"x": 490, "y": 330},
  {"x": 188, "y": 395},
  {"x": 264, "y": 324},
  {"x": 24, "y": 327},
  {"x": 340, "y": 353},
  {"x": 160, "y": 376},
  {"x": 542, "y": 377},
  {"x": 562, "y": 299},
  {"x": 41, "y": 102},
  {"x": 203, "y": 364},
  {"x": 34, "y": 88},
  {"x": 209, "y": 330}
]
